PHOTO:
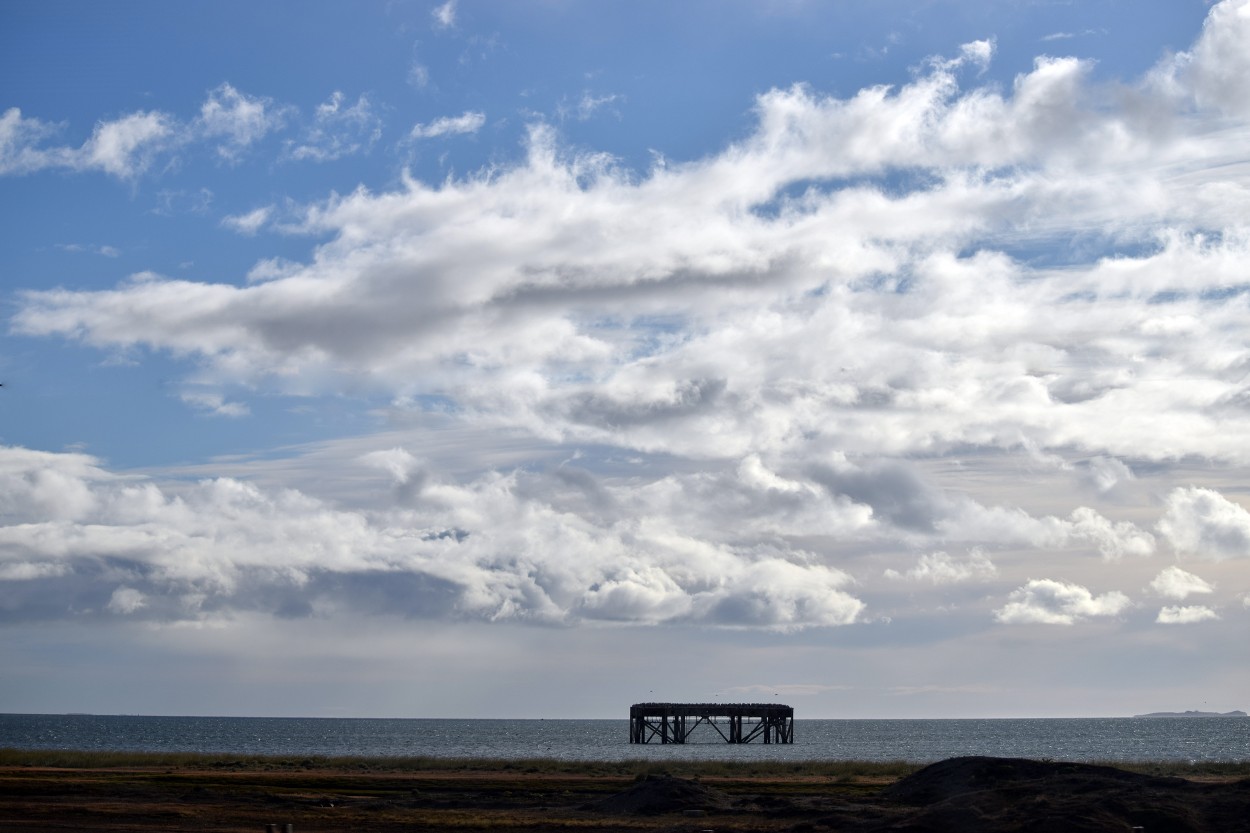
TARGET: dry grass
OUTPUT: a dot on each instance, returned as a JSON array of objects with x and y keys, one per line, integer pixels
[
  {"x": 77, "y": 759},
  {"x": 846, "y": 771},
  {"x": 164, "y": 792}
]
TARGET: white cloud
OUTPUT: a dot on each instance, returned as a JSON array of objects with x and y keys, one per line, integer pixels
[
  {"x": 1175, "y": 583},
  {"x": 979, "y": 53},
  {"x": 419, "y": 75},
  {"x": 588, "y": 105},
  {"x": 444, "y": 15},
  {"x": 1177, "y": 615},
  {"x": 1105, "y": 473},
  {"x": 250, "y": 223},
  {"x": 1114, "y": 540},
  {"x": 1083, "y": 528},
  {"x": 468, "y": 122},
  {"x": 270, "y": 268},
  {"x": 19, "y": 141},
  {"x": 940, "y": 568},
  {"x": 705, "y": 309},
  {"x": 104, "y": 251},
  {"x": 495, "y": 548},
  {"x": 338, "y": 130},
  {"x": 238, "y": 119},
  {"x": 793, "y": 325},
  {"x": 1048, "y": 602},
  {"x": 1205, "y": 524},
  {"x": 1058, "y": 36},
  {"x": 1216, "y": 72},
  {"x": 28, "y": 571},
  {"x": 123, "y": 147},
  {"x": 214, "y": 404},
  {"x": 399, "y": 462},
  {"x": 126, "y": 600},
  {"x": 127, "y": 146}
]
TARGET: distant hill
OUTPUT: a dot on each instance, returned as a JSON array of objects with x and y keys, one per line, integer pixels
[{"x": 1194, "y": 714}]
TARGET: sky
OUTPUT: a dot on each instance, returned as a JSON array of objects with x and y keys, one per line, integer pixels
[{"x": 476, "y": 359}]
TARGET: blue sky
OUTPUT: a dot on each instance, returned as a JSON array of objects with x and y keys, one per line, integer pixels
[{"x": 459, "y": 358}]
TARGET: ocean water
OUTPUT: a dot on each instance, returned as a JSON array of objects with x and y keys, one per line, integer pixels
[{"x": 1084, "y": 739}]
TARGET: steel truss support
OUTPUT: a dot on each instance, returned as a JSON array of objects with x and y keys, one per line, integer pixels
[{"x": 733, "y": 722}]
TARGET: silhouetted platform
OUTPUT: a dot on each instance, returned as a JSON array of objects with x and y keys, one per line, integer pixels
[{"x": 734, "y": 722}]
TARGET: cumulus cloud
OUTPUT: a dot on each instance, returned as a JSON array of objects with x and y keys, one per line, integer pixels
[
  {"x": 238, "y": 120},
  {"x": 940, "y": 568},
  {"x": 1113, "y": 540},
  {"x": 1204, "y": 524},
  {"x": 407, "y": 471},
  {"x": 468, "y": 122},
  {"x": 493, "y": 548},
  {"x": 19, "y": 143},
  {"x": 1049, "y": 602},
  {"x": 1214, "y": 72},
  {"x": 979, "y": 53},
  {"x": 123, "y": 147},
  {"x": 1175, "y": 583},
  {"x": 754, "y": 301},
  {"x": 1188, "y": 615},
  {"x": 126, "y": 600},
  {"x": 1106, "y": 473},
  {"x": 339, "y": 129},
  {"x": 126, "y": 147},
  {"x": 794, "y": 323}
]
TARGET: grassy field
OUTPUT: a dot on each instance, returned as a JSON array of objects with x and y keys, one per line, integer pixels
[
  {"x": 143, "y": 791},
  {"x": 873, "y": 770}
]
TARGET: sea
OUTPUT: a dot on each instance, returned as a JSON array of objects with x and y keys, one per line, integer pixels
[{"x": 1219, "y": 739}]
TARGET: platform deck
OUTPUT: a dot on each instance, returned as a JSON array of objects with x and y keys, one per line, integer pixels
[{"x": 733, "y": 722}]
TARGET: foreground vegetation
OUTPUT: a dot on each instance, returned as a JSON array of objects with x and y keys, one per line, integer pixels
[
  {"x": 837, "y": 770},
  {"x": 146, "y": 792}
]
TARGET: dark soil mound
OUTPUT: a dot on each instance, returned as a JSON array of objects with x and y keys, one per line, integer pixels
[
  {"x": 959, "y": 776},
  {"x": 656, "y": 794},
  {"x": 1004, "y": 795}
]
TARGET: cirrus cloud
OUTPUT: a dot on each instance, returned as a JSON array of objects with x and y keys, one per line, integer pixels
[{"x": 468, "y": 122}]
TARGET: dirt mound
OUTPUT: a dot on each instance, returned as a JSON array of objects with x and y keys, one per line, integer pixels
[
  {"x": 959, "y": 776},
  {"x": 654, "y": 794},
  {"x": 1005, "y": 795}
]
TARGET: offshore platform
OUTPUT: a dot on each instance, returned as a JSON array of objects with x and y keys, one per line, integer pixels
[{"x": 734, "y": 722}]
